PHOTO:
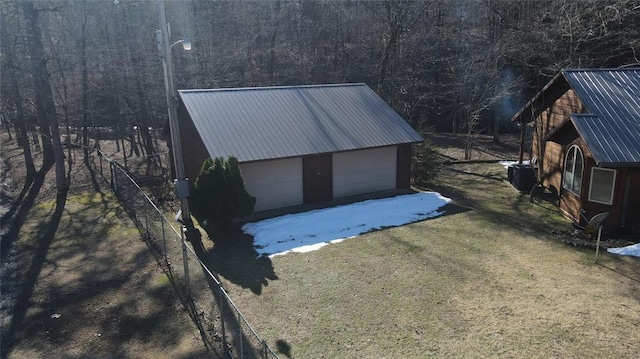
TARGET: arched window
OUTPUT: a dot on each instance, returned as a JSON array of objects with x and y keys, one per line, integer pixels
[{"x": 573, "y": 165}]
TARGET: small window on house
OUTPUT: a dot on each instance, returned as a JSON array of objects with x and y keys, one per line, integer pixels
[
  {"x": 602, "y": 185},
  {"x": 573, "y": 164}
]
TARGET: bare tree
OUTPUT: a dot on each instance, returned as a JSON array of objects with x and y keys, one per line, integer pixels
[
  {"x": 43, "y": 96},
  {"x": 12, "y": 89}
]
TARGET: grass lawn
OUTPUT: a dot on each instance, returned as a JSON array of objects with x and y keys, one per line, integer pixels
[
  {"x": 78, "y": 282},
  {"x": 489, "y": 279}
]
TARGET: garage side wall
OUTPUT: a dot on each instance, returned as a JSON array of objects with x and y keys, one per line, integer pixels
[
  {"x": 275, "y": 184},
  {"x": 364, "y": 171}
]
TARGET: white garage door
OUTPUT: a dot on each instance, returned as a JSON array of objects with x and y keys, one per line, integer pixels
[
  {"x": 364, "y": 171},
  {"x": 275, "y": 184}
]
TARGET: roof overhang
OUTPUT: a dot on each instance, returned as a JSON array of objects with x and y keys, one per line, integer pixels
[
  {"x": 543, "y": 99},
  {"x": 563, "y": 134},
  {"x": 573, "y": 128}
]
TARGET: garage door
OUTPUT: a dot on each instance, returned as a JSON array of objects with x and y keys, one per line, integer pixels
[
  {"x": 364, "y": 171},
  {"x": 275, "y": 184}
]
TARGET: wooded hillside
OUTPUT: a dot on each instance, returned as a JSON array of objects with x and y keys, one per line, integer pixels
[{"x": 448, "y": 65}]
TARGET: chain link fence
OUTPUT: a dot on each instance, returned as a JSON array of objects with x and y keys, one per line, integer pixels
[{"x": 224, "y": 330}]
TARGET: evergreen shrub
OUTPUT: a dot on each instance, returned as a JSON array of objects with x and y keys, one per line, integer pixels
[{"x": 219, "y": 194}]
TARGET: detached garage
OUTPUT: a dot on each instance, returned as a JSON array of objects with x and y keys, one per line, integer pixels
[{"x": 299, "y": 144}]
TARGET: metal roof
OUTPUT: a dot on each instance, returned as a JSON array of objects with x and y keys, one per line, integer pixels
[
  {"x": 263, "y": 123},
  {"x": 611, "y": 125}
]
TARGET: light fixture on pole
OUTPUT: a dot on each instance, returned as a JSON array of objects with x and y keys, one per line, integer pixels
[{"x": 181, "y": 182}]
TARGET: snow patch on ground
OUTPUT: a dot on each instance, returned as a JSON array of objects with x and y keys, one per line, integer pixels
[
  {"x": 507, "y": 164},
  {"x": 632, "y": 250},
  {"x": 309, "y": 231}
]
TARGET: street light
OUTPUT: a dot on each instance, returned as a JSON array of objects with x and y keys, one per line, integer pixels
[{"x": 181, "y": 182}]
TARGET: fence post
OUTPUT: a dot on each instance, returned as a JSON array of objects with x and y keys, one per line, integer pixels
[
  {"x": 146, "y": 220},
  {"x": 100, "y": 159},
  {"x": 164, "y": 241},
  {"x": 223, "y": 326},
  {"x": 265, "y": 349},
  {"x": 185, "y": 261},
  {"x": 240, "y": 335},
  {"x": 113, "y": 181}
]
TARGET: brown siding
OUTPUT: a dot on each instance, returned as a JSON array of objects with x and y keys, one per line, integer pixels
[
  {"x": 193, "y": 149},
  {"x": 317, "y": 178},
  {"x": 615, "y": 209},
  {"x": 632, "y": 222},
  {"x": 403, "y": 166},
  {"x": 553, "y": 165},
  {"x": 556, "y": 114},
  {"x": 550, "y": 155},
  {"x": 570, "y": 203}
]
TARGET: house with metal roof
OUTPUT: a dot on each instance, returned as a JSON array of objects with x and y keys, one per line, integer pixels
[
  {"x": 586, "y": 143},
  {"x": 299, "y": 144}
]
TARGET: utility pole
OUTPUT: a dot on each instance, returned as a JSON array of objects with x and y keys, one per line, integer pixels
[{"x": 181, "y": 183}]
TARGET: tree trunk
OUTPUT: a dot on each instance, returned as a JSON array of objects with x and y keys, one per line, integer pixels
[
  {"x": 496, "y": 129},
  {"x": 85, "y": 85},
  {"x": 137, "y": 61},
  {"x": 16, "y": 96},
  {"x": 64, "y": 98},
  {"x": 47, "y": 116},
  {"x": 5, "y": 123},
  {"x": 394, "y": 30},
  {"x": 37, "y": 63}
]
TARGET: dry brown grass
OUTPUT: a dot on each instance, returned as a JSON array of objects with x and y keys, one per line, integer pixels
[
  {"x": 90, "y": 288},
  {"x": 488, "y": 280}
]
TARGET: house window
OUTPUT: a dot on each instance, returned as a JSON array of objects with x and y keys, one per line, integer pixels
[
  {"x": 603, "y": 182},
  {"x": 573, "y": 164}
]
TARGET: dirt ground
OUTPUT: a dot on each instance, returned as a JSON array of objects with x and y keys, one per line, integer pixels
[
  {"x": 451, "y": 146},
  {"x": 76, "y": 279}
]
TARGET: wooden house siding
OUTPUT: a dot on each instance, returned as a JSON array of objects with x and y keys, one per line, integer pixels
[
  {"x": 552, "y": 164},
  {"x": 617, "y": 217},
  {"x": 551, "y": 167},
  {"x": 597, "y": 110},
  {"x": 570, "y": 203},
  {"x": 550, "y": 154},
  {"x": 632, "y": 211}
]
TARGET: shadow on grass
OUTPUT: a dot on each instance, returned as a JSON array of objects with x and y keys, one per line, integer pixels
[
  {"x": 451, "y": 209},
  {"x": 635, "y": 278},
  {"x": 234, "y": 257},
  {"x": 484, "y": 189},
  {"x": 491, "y": 176},
  {"x": 163, "y": 259},
  {"x": 230, "y": 317},
  {"x": 27, "y": 285},
  {"x": 92, "y": 175}
]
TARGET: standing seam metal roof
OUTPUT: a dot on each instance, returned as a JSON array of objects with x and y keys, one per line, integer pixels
[
  {"x": 263, "y": 123},
  {"x": 611, "y": 126}
]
